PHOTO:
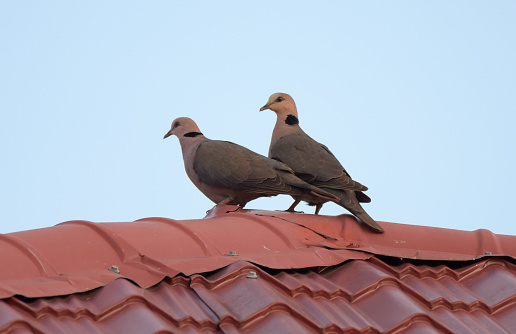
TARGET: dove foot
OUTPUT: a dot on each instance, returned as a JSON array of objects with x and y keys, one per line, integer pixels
[
  {"x": 293, "y": 211},
  {"x": 293, "y": 206}
]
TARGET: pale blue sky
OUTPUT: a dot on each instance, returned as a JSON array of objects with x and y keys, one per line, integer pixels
[{"x": 416, "y": 99}]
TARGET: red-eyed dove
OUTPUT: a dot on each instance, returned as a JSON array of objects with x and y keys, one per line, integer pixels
[
  {"x": 228, "y": 173},
  {"x": 313, "y": 162}
]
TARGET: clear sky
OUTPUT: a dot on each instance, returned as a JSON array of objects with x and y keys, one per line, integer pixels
[{"x": 416, "y": 99}]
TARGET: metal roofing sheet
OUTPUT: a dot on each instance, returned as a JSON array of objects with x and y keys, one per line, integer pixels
[
  {"x": 358, "y": 296},
  {"x": 79, "y": 256}
]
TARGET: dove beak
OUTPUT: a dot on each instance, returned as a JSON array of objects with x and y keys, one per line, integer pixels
[
  {"x": 267, "y": 106},
  {"x": 168, "y": 134}
]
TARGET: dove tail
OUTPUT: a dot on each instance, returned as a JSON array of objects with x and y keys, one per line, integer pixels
[
  {"x": 366, "y": 219},
  {"x": 350, "y": 202}
]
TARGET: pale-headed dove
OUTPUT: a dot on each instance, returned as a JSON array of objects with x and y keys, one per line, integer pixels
[
  {"x": 312, "y": 161},
  {"x": 228, "y": 173}
]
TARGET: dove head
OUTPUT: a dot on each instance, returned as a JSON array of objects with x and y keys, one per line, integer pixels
[
  {"x": 282, "y": 104},
  {"x": 183, "y": 127}
]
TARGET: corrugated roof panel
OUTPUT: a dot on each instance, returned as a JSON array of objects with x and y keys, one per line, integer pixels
[
  {"x": 76, "y": 256},
  {"x": 313, "y": 274}
]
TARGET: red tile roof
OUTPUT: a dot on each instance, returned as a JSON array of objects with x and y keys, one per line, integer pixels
[{"x": 314, "y": 273}]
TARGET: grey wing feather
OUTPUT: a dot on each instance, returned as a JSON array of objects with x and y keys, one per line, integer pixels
[
  {"x": 321, "y": 170},
  {"x": 228, "y": 165}
]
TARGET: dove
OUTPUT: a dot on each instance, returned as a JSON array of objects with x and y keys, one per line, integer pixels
[
  {"x": 228, "y": 173},
  {"x": 313, "y": 162}
]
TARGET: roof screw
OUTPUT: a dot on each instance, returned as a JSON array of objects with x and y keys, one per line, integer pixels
[
  {"x": 252, "y": 274},
  {"x": 488, "y": 253},
  {"x": 233, "y": 253},
  {"x": 114, "y": 268},
  {"x": 353, "y": 244}
]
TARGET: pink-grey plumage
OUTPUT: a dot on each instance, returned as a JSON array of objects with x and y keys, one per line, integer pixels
[
  {"x": 228, "y": 173},
  {"x": 313, "y": 162}
]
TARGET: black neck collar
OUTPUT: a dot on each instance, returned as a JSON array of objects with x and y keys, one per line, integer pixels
[
  {"x": 192, "y": 134},
  {"x": 291, "y": 120}
]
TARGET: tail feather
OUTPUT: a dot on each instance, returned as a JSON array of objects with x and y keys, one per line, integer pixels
[
  {"x": 366, "y": 219},
  {"x": 362, "y": 198},
  {"x": 350, "y": 202}
]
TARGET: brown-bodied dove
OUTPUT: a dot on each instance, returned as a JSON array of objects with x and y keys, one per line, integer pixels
[
  {"x": 313, "y": 162},
  {"x": 228, "y": 173}
]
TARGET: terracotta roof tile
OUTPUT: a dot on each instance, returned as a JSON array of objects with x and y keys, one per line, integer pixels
[
  {"x": 314, "y": 273},
  {"x": 301, "y": 300}
]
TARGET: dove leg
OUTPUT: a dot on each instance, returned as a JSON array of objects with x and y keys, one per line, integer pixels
[
  {"x": 293, "y": 206},
  {"x": 318, "y": 208}
]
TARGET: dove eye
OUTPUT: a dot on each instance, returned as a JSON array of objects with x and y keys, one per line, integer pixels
[
  {"x": 279, "y": 99},
  {"x": 176, "y": 124}
]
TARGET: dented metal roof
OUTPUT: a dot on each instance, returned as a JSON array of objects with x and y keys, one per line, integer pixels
[{"x": 312, "y": 274}]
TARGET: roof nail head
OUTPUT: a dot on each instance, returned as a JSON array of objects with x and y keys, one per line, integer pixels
[
  {"x": 252, "y": 274},
  {"x": 114, "y": 268},
  {"x": 233, "y": 253},
  {"x": 488, "y": 253}
]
